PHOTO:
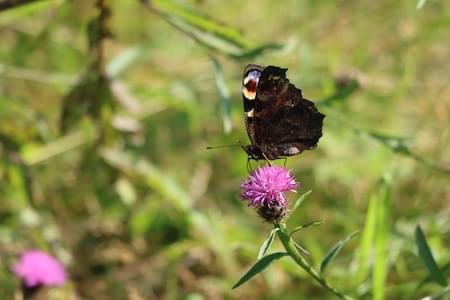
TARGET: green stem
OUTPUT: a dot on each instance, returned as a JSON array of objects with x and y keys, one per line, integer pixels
[{"x": 289, "y": 245}]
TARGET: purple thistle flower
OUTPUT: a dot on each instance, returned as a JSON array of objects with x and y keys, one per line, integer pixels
[
  {"x": 264, "y": 190},
  {"x": 37, "y": 268}
]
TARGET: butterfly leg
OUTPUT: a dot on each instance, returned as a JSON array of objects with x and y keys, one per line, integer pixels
[
  {"x": 249, "y": 165},
  {"x": 285, "y": 161}
]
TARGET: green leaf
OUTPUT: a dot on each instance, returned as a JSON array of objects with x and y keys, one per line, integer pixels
[
  {"x": 200, "y": 21},
  {"x": 208, "y": 32},
  {"x": 298, "y": 228},
  {"x": 259, "y": 266},
  {"x": 267, "y": 243},
  {"x": 300, "y": 201},
  {"x": 445, "y": 270},
  {"x": 297, "y": 245},
  {"x": 251, "y": 53},
  {"x": 333, "y": 252},
  {"x": 427, "y": 257}
]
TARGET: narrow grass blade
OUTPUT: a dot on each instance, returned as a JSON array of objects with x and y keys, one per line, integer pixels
[
  {"x": 125, "y": 60},
  {"x": 267, "y": 243},
  {"x": 420, "y": 4},
  {"x": 333, "y": 252},
  {"x": 427, "y": 257},
  {"x": 203, "y": 29},
  {"x": 252, "y": 53},
  {"x": 382, "y": 238},
  {"x": 366, "y": 243},
  {"x": 210, "y": 33},
  {"x": 224, "y": 96},
  {"x": 201, "y": 21},
  {"x": 259, "y": 266},
  {"x": 35, "y": 154}
]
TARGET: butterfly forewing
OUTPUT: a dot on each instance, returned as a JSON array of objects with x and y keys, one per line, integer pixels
[{"x": 249, "y": 88}]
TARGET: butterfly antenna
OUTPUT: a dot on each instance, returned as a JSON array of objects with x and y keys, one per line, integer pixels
[
  {"x": 222, "y": 146},
  {"x": 238, "y": 144}
]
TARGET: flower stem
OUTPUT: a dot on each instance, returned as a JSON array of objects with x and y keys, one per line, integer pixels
[{"x": 290, "y": 248}]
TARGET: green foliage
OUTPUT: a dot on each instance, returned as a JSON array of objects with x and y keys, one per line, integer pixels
[
  {"x": 267, "y": 243},
  {"x": 300, "y": 201},
  {"x": 298, "y": 228},
  {"x": 427, "y": 257},
  {"x": 259, "y": 266},
  {"x": 208, "y": 32},
  {"x": 382, "y": 233},
  {"x": 375, "y": 238},
  {"x": 224, "y": 96},
  {"x": 333, "y": 252}
]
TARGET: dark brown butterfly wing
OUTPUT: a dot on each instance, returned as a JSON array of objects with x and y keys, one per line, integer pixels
[
  {"x": 283, "y": 123},
  {"x": 282, "y": 114}
]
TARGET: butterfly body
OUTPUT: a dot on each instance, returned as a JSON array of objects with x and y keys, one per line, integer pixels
[{"x": 279, "y": 121}]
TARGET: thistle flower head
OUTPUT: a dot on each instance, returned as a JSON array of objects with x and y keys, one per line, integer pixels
[
  {"x": 37, "y": 268},
  {"x": 264, "y": 189}
]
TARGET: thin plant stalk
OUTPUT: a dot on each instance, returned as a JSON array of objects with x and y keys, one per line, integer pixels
[{"x": 290, "y": 248}]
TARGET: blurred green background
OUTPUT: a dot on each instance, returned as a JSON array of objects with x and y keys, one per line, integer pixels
[{"x": 107, "y": 107}]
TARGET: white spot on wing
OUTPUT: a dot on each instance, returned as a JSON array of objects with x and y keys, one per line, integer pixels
[
  {"x": 249, "y": 95},
  {"x": 292, "y": 150},
  {"x": 251, "y": 113}
]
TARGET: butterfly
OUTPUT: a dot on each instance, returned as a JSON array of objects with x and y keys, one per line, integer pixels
[{"x": 279, "y": 121}]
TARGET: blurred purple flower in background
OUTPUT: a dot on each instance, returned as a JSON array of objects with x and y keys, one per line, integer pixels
[
  {"x": 37, "y": 268},
  {"x": 264, "y": 190}
]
